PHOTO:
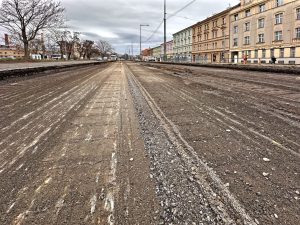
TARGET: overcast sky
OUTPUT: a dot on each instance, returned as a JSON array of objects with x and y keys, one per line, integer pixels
[{"x": 117, "y": 21}]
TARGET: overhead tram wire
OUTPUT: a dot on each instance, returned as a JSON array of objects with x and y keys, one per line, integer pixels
[
  {"x": 155, "y": 31},
  {"x": 187, "y": 18},
  {"x": 171, "y": 15},
  {"x": 181, "y": 9}
]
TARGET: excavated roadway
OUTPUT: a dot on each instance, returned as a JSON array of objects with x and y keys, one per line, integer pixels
[{"x": 128, "y": 143}]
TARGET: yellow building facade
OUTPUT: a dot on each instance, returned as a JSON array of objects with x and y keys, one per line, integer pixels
[
  {"x": 10, "y": 53},
  {"x": 260, "y": 29},
  {"x": 156, "y": 51},
  {"x": 211, "y": 38}
]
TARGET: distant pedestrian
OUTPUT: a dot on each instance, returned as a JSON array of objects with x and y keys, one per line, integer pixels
[
  {"x": 273, "y": 59},
  {"x": 245, "y": 59}
]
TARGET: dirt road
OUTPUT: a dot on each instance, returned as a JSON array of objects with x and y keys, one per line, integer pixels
[
  {"x": 71, "y": 152},
  {"x": 125, "y": 143}
]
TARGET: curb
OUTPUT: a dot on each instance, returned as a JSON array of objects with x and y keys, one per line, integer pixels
[{"x": 269, "y": 69}]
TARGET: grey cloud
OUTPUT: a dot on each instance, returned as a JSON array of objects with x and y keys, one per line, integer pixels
[{"x": 117, "y": 21}]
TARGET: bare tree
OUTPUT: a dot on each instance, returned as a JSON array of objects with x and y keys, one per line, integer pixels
[
  {"x": 81, "y": 49},
  {"x": 25, "y": 18},
  {"x": 59, "y": 37},
  {"x": 104, "y": 47},
  {"x": 66, "y": 41},
  {"x": 88, "y": 46},
  {"x": 71, "y": 42}
]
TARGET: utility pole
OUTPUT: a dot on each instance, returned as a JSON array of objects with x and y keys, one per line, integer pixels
[
  {"x": 165, "y": 31},
  {"x": 132, "y": 57}
]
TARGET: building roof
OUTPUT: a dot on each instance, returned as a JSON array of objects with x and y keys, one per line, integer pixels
[
  {"x": 218, "y": 14},
  {"x": 184, "y": 29}
]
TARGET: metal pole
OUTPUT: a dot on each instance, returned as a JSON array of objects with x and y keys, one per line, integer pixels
[
  {"x": 140, "y": 41},
  {"x": 131, "y": 50},
  {"x": 165, "y": 30},
  {"x": 224, "y": 46}
]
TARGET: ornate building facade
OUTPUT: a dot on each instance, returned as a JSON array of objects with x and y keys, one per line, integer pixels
[
  {"x": 211, "y": 38},
  {"x": 182, "y": 46},
  {"x": 261, "y": 29}
]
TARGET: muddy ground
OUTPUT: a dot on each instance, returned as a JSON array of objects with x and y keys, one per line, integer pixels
[{"x": 129, "y": 143}]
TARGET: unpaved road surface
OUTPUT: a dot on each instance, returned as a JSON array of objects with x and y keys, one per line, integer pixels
[{"x": 126, "y": 143}]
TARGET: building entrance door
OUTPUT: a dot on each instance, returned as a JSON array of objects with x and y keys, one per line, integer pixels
[{"x": 235, "y": 57}]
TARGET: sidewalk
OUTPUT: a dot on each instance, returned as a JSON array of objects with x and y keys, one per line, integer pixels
[
  {"x": 26, "y": 65},
  {"x": 26, "y": 69}
]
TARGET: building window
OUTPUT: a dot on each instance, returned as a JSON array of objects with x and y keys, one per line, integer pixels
[
  {"x": 261, "y": 23},
  {"x": 223, "y": 21},
  {"x": 262, "y": 8},
  {"x": 298, "y": 13},
  {"x": 248, "y": 53},
  {"x": 264, "y": 53},
  {"x": 279, "y": 3},
  {"x": 256, "y": 54},
  {"x": 235, "y": 42},
  {"x": 236, "y": 17},
  {"x": 293, "y": 52},
  {"x": 298, "y": 33},
  {"x": 278, "y": 18},
  {"x": 247, "y": 26},
  {"x": 272, "y": 52},
  {"x": 235, "y": 29},
  {"x": 281, "y": 55},
  {"x": 247, "y": 40},
  {"x": 247, "y": 13},
  {"x": 278, "y": 36},
  {"x": 261, "y": 38},
  {"x": 215, "y": 34}
]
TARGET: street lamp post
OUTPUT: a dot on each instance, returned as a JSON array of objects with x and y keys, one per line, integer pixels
[
  {"x": 165, "y": 31},
  {"x": 224, "y": 47},
  {"x": 142, "y": 25}
]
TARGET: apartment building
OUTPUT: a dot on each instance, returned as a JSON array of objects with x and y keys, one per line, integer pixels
[
  {"x": 146, "y": 54},
  {"x": 261, "y": 29},
  {"x": 9, "y": 52},
  {"x": 182, "y": 45},
  {"x": 156, "y": 53},
  {"x": 211, "y": 38},
  {"x": 169, "y": 51}
]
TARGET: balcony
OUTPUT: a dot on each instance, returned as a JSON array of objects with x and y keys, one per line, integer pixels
[{"x": 296, "y": 40}]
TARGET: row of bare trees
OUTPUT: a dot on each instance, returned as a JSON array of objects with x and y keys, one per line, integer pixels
[{"x": 25, "y": 20}]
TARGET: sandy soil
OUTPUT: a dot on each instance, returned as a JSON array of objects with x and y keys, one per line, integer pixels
[
  {"x": 243, "y": 125},
  {"x": 127, "y": 143},
  {"x": 71, "y": 151}
]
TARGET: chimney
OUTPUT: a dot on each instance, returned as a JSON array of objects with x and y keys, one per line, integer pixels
[
  {"x": 42, "y": 38},
  {"x": 6, "y": 40}
]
